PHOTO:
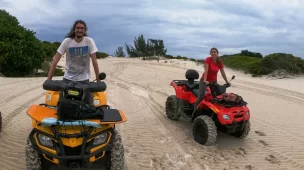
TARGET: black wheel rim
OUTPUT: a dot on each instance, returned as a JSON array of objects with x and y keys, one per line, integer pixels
[{"x": 201, "y": 132}]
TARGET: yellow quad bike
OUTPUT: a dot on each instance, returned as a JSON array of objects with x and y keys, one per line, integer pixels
[{"x": 71, "y": 134}]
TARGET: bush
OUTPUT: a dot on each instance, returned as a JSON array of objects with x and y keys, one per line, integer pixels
[
  {"x": 49, "y": 49},
  {"x": 288, "y": 62},
  {"x": 21, "y": 53},
  {"x": 240, "y": 62},
  {"x": 100, "y": 55},
  {"x": 262, "y": 66}
]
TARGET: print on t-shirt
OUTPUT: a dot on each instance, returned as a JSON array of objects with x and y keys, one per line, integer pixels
[{"x": 79, "y": 51}]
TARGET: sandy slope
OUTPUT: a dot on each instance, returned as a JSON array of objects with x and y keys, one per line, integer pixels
[{"x": 152, "y": 141}]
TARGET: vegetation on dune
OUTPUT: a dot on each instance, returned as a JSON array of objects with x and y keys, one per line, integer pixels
[
  {"x": 151, "y": 47},
  {"x": 119, "y": 52},
  {"x": 247, "y": 61},
  {"x": 22, "y": 54},
  {"x": 257, "y": 66},
  {"x": 20, "y": 50}
]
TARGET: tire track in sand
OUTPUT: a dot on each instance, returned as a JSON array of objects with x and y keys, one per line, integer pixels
[
  {"x": 270, "y": 93},
  {"x": 288, "y": 152},
  {"x": 17, "y": 111},
  {"x": 257, "y": 157},
  {"x": 201, "y": 156},
  {"x": 21, "y": 93},
  {"x": 239, "y": 155},
  {"x": 272, "y": 88},
  {"x": 16, "y": 127},
  {"x": 282, "y": 153},
  {"x": 144, "y": 137}
]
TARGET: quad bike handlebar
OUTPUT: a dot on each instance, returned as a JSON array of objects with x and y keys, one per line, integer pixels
[
  {"x": 226, "y": 84},
  {"x": 60, "y": 85}
]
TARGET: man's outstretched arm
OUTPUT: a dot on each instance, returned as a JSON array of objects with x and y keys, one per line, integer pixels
[
  {"x": 55, "y": 61},
  {"x": 95, "y": 65}
]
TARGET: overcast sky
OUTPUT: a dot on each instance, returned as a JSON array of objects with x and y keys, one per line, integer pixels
[{"x": 188, "y": 27}]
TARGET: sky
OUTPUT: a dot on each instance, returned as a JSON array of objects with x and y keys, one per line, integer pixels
[{"x": 188, "y": 27}]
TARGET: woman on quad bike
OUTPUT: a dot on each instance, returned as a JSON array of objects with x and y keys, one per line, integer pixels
[{"x": 212, "y": 65}]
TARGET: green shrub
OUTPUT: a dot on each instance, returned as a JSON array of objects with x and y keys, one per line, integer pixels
[
  {"x": 241, "y": 62},
  {"x": 49, "y": 49},
  {"x": 288, "y": 62},
  {"x": 266, "y": 65},
  {"x": 100, "y": 55},
  {"x": 21, "y": 53}
]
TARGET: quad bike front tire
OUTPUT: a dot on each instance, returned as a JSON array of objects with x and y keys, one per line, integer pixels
[
  {"x": 115, "y": 158},
  {"x": 204, "y": 130},
  {"x": 241, "y": 134},
  {"x": 172, "y": 104},
  {"x": 34, "y": 161}
]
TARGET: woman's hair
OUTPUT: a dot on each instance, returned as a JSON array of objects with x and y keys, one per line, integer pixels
[
  {"x": 219, "y": 62},
  {"x": 71, "y": 34}
]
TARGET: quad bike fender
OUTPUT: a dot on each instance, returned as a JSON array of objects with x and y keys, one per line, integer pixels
[
  {"x": 100, "y": 98},
  {"x": 51, "y": 98},
  {"x": 181, "y": 94},
  {"x": 178, "y": 90},
  {"x": 203, "y": 104}
]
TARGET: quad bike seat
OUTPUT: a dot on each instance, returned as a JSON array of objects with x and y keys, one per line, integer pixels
[
  {"x": 59, "y": 85},
  {"x": 192, "y": 85},
  {"x": 191, "y": 75}
]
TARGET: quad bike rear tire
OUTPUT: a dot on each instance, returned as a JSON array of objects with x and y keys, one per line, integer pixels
[
  {"x": 115, "y": 158},
  {"x": 204, "y": 130},
  {"x": 172, "y": 105},
  {"x": 34, "y": 160},
  {"x": 241, "y": 134}
]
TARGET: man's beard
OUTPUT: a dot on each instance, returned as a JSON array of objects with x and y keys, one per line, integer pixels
[{"x": 79, "y": 36}]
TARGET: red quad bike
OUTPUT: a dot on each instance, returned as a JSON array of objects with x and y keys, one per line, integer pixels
[{"x": 213, "y": 113}]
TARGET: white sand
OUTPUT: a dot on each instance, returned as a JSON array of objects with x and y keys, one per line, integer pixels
[{"x": 152, "y": 141}]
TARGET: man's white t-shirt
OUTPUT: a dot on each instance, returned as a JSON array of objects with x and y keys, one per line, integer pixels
[{"x": 77, "y": 67}]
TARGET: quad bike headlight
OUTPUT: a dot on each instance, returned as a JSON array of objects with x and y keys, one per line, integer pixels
[
  {"x": 101, "y": 139},
  {"x": 45, "y": 141},
  {"x": 226, "y": 117},
  {"x": 247, "y": 114}
]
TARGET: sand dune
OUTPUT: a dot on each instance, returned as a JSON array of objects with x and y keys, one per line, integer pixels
[{"x": 152, "y": 141}]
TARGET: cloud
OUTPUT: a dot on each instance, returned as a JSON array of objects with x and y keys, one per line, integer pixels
[{"x": 188, "y": 27}]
